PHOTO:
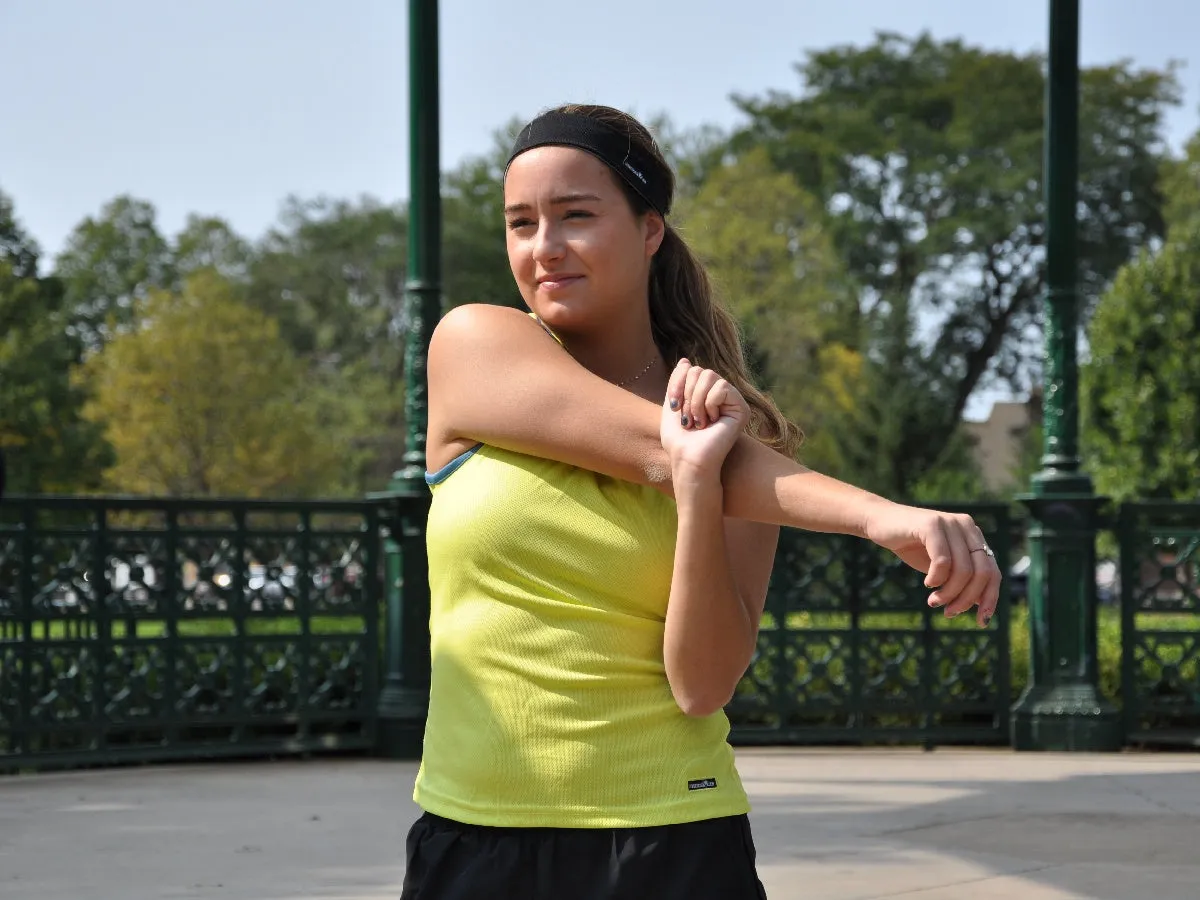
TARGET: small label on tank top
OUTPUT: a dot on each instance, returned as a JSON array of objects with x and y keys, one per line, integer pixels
[{"x": 703, "y": 784}]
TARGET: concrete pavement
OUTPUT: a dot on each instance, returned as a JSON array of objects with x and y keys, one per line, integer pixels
[{"x": 836, "y": 824}]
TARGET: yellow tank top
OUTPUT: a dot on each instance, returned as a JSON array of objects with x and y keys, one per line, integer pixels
[{"x": 549, "y": 702}]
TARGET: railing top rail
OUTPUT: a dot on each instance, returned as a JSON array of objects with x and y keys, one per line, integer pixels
[
  {"x": 206, "y": 504},
  {"x": 1167, "y": 507}
]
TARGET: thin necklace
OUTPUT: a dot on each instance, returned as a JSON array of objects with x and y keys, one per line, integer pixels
[
  {"x": 649, "y": 366},
  {"x": 627, "y": 381}
]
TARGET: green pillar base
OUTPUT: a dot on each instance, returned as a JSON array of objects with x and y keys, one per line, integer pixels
[
  {"x": 401, "y": 723},
  {"x": 1073, "y": 717}
]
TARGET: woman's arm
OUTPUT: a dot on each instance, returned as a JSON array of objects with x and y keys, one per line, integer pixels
[
  {"x": 718, "y": 591},
  {"x": 496, "y": 377},
  {"x": 722, "y": 565}
]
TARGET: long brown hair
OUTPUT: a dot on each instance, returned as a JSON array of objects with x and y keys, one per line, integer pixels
[{"x": 686, "y": 318}]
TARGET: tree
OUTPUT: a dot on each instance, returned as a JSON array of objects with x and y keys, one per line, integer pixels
[
  {"x": 474, "y": 257},
  {"x": 333, "y": 275},
  {"x": 928, "y": 157},
  {"x": 1181, "y": 186},
  {"x": 764, "y": 243},
  {"x": 210, "y": 242},
  {"x": 206, "y": 399},
  {"x": 110, "y": 262},
  {"x": 692, "y": 153},
  {"x": 1140, "y": 397},
  {"x": 50, "y": 448}
]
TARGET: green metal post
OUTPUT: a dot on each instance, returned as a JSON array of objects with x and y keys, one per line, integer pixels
[
  {"x": 1062, "y": 708},
  {"x": 404, "y": 700}
]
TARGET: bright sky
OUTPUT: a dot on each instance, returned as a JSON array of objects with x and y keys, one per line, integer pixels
[{"x": 227, "y": 106}]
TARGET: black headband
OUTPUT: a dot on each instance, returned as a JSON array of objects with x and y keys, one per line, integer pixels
[{"x": 616, "y": 150}]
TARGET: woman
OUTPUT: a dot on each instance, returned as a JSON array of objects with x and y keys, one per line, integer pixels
[{"x": 608, "y": 487}]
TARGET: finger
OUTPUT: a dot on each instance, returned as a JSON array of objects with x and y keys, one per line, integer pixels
[
  {"x": 675, "y": 384},
  {"x": 991, "y": 597},
  {"x": 962, "y": 589},
  {"x": 978, "y": 567},
  {"x": 717, "y": 397},
  {"x": 689, "y": 387},
  {"x": 704, "y": 386},
  {"x": 937, "y": 548},
  {"x": 975, "y": 591},
  {"x": 961, "y": 569}
]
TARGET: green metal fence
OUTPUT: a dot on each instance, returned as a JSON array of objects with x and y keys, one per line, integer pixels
[
  {"x": 1160, "y": 622},
  {"x": 137, "y": 630},
  {"x": 140, "y": 630},
  {"x": 850, "y": 653}
]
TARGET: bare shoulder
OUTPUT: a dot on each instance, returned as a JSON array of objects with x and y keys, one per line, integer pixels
[
  {"x": 497, "y": 377},
  {"x": 468, "y": 343},
  {"x": 481, "y": 328}
]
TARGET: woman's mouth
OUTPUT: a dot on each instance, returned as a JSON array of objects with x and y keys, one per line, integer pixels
[{"x": 558, "y": 282}]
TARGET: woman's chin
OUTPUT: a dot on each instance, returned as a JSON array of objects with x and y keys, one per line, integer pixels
[{"x": 561, "y": 310}]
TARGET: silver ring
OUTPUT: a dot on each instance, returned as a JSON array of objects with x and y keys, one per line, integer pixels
[{"x": 985, "y": 549}]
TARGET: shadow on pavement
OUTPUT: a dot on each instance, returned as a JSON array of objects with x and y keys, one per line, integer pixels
[{"x": 865, "y": 824}]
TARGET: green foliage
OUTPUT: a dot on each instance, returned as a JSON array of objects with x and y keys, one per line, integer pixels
[
  {"x": 1140, "y": 392},
  {"x": 333, "y": 274},
  {"x": 928, "y": 156},
  {"x": 693, "y": 153},
  {"x": 48, "y": 446},
  {"x": 110, "y": 263},
  {"x": 764, "y": 244},
  {"x": 1181, "y": 187},
  {"x": 206, "y": 399},
  {"x": 208, "y": 242},
  {"x": 474, "y": 257}
]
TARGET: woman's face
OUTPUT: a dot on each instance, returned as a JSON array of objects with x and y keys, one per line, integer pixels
[{"x": 577, "y": 250}]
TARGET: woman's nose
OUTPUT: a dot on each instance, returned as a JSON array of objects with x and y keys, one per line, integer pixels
[{"x": 548, "y": 244}]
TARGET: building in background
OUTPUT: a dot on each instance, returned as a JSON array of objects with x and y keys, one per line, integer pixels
[{"x": 1001, "y": 442}]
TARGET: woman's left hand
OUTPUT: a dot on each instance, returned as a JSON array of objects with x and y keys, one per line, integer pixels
[{"x": 703, "y": 416}]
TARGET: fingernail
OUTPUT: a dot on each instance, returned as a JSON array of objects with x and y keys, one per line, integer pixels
[
  {"x": 684, "y": 421},
  {"x": 674, "y": 404},
  {"x": 987, "y": 619}
]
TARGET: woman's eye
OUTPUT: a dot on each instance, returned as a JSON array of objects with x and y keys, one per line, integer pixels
[
  {"x": 578, "y": 214},
  {"x": 519, "y": 223}
]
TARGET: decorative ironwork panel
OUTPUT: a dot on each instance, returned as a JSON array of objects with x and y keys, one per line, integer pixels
[
  {"x": 11, "y": 713},
  {"x": 1160, "y": 622},
  {"x": 206, "y": 677},
  {"x": 850, "y": 652},
  {"x": 338, "y": 676},
  {"x": 135, "y": 681},
  {"x": 148, "y": 629}
]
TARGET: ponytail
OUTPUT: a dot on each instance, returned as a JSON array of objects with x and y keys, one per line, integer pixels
[{"x": 687, "y": 321}]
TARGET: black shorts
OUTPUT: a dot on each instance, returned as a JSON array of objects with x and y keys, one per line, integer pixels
[{"x": 708, "y": 860}]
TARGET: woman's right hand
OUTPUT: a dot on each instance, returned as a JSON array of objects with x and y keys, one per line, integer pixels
[{"x": 703, "y": 415}]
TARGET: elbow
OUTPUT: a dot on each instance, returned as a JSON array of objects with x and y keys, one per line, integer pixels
[
  {"x": 700, "y": 703},
  {"x": 655, "y": 468}
]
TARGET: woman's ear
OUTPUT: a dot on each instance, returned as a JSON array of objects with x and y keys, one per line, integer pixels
[{"x": 656, "y": 231}]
